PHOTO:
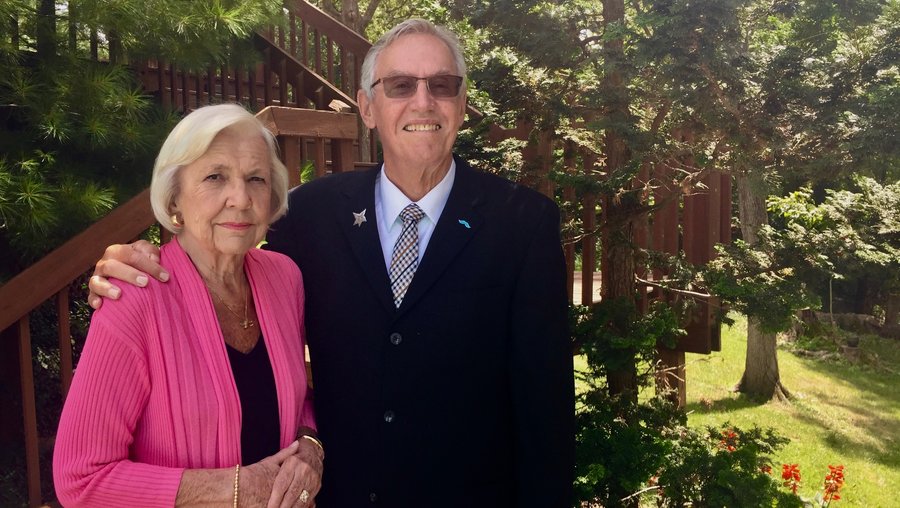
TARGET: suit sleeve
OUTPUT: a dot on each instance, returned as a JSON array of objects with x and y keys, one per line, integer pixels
[
  {"x": 91, "y": 463},
  {"x": 541, "y": 373}
]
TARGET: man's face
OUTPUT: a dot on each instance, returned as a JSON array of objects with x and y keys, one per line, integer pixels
[{"x": 417, "y": 133}]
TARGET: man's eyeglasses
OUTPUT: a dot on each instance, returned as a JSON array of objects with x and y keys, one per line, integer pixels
[{"x": 443, "y": 86}]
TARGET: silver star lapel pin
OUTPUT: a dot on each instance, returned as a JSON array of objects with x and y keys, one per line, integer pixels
[{"x": 359, "y": 218}]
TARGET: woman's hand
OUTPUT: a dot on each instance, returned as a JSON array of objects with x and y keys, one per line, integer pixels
[
  {"x": 258, "y": 480},
  {"x": 300, "y": 472}
]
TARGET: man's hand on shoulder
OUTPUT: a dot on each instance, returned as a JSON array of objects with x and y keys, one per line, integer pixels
[{"x": 130, "y": 263}]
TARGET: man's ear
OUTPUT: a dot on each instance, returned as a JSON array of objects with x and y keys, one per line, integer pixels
[
  {"x": 462, "y": 116},
  {"x": 365, "y": 108}
]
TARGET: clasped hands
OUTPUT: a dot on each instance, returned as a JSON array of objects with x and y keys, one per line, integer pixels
[{"x": 278, "y": 481}]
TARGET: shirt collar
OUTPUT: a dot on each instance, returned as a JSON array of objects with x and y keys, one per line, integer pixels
[{"x": 393, "y": 201}]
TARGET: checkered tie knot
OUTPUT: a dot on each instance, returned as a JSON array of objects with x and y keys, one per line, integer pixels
[{"x": 405, "y": 258}]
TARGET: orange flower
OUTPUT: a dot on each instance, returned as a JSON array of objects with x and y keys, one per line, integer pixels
[
  {"x": 765, "y": 468},
  {"x": 790, "y": 473}
]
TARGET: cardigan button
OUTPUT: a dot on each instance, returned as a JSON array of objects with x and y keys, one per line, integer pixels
[{"x": 396, "y": 339}]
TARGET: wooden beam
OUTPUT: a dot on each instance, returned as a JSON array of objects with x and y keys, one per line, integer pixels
[{"x": 283, "y": 121}]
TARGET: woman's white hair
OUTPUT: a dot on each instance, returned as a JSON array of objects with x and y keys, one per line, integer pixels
[
  {"x": 409, "y": 27},
  {"x": 190, "y": 139}
]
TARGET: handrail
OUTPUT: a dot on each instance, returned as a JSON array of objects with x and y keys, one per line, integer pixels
[
  {"x": 312, "y": 87},
  {"x": 54, "y": 271},
  {"x": 338, "y": 32}
]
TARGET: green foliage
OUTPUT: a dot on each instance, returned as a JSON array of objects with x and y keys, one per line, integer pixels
[
  {"x": 756, "y": 281},
  {"x": 619, "y": 445},
  {"x": 722, "y": 467},
  {"x": 852, "y": 235},
  {"x": 619, "y": 441},
  {"x": 628, "y": 448},
  {"x": 612, "y": 332},
  {"x": 77, "y": 136},
  {"x": 195, "y": 34}
]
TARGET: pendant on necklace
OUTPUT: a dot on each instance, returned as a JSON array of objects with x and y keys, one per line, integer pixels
[{"x": 246, "y": 323}]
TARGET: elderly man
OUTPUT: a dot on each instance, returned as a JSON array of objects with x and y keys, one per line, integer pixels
[{"x": 435, "y": 306}]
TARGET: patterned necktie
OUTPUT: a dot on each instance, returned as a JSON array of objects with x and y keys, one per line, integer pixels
[{"x": 405, "y": 258}]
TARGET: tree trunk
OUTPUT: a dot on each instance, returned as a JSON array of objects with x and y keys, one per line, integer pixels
[
  {"x": 617, "y": 265},
  {"x": 46, "y": 29},
  {"x": 761, "y": 377},
  {"x": 350, "y": 14}
]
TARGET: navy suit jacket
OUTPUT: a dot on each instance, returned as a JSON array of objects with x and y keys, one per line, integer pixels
[{"x": 462, "y": 397}]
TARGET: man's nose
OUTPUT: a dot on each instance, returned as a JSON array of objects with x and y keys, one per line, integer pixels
[{"x": 423, "y": 97}]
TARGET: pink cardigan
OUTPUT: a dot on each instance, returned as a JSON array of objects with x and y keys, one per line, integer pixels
[{"x": 154, "y": 395}]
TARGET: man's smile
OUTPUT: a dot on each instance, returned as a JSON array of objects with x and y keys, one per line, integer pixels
[{"x": 421, "y": 127}]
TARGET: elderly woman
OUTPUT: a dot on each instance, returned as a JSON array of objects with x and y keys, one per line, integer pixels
[{"x": 181, "y": 384}]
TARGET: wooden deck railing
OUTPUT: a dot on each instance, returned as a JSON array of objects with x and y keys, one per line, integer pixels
[{"x": 51, "y": 277}]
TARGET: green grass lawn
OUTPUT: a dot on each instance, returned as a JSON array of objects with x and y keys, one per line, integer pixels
[{"x": 843, "y": 412}]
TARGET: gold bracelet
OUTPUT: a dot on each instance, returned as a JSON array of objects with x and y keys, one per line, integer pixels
[
  {"x": 316, "y": 441},
  {"x": 237, "y": 475}
]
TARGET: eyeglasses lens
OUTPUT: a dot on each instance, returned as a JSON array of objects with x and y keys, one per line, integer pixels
[{"x": 402, "y": 87}]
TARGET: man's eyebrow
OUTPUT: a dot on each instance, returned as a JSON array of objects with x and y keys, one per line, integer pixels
[{"x": 394, "y": 73}]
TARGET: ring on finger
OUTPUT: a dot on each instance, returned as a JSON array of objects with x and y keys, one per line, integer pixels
[{"x": 304, "y": 496}]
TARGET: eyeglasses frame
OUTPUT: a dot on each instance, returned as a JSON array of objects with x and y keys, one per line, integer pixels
[{"x": 380, "y": 81}]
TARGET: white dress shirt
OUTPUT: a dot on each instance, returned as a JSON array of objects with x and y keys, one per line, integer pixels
[{"x": 390, "y": 201}]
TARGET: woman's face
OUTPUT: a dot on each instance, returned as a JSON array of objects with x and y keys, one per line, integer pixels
[{"x": 224, "y": 197}]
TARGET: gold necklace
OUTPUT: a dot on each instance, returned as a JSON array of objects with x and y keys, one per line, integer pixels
[{"x": 245, "y": 322}]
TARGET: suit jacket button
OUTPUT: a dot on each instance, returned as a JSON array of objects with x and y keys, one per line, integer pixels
[
  {"x": 373, "y": 497},
  {"x": 389, "y": 416},
  {"x": 396, "y": 339}
]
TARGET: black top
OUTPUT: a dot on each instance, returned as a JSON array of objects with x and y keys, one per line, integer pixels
[{"x": 260, "y": 428}]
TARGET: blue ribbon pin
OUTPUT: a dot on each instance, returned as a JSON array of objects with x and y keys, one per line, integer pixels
[{"x": 465, "y": 223}]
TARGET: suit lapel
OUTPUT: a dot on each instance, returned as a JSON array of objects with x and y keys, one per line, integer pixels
[
  {"x": 459, "y": 222},
  {"x": 363, "y": 238}
]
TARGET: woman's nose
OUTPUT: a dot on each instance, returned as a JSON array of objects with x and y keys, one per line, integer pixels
[{"x": 238, "y": 195}]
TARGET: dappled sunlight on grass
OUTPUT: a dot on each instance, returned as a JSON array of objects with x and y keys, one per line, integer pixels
[{"x": 841, "y": 412}]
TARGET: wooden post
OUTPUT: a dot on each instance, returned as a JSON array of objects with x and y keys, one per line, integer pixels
[
  {"x": 589, "y": 242},
  {"x": 329, "y": 54},
  {"x": 670, "y": 375},
  {"x": 341, "y": 155},
  {"x": 29, "y": 413},
  {"x": 253, "y": 97},
  {"x": 321, "y": 165},
  {"x": 290, "y": 151},
  {"x": 65, "y": 341},
  {"x": 267, "y": 77}
]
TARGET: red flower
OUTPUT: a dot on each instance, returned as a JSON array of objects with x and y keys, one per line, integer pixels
[
  {"x": 834, "y": 481},
  {"x": 790, "y": 473},
  {"x": 729, "y": 440},
  {"x": 765, "y": 468}
]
